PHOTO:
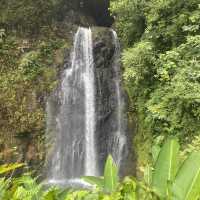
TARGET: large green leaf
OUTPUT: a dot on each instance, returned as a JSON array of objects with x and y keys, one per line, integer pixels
[
  {"x": 98, "y": 181},
  {"x": 110, "y": 175},
  {"x": 165, "y": 167},
  {"x": 187, "y": 182}
]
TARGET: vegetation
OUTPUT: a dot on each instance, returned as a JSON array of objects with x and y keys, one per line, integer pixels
[
  {"x": 167, "y": 178},
  {"x": 28, "y": 17},
  {"x": 29, "y": 67},
  {"x": 161, "y": 60},
  {"x": 161, "y": 67},
  {"x": 109, "y": 182},
  {"x": 21, "y": 67}
]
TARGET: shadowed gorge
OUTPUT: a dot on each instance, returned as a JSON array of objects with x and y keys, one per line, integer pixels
[{"x": 99, "y": 10}]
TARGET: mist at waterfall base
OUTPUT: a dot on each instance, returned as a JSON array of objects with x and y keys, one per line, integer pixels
[{"x": 74, "y": 117}]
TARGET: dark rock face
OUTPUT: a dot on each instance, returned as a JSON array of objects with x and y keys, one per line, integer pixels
[
  {"x": 104, "y": 50},
  {"x": 23, "y": 149}
]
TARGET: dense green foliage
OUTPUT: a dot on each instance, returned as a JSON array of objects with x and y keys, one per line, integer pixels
[
  {"x": 165, "y": 179},
  {"x": 27, "y": 188},
  {"x": 29, "y": 67},
  {"x": 162, "y": 65},
  {"x": 161, "y": 59},
  {"x": 24, "y": 63},
  {"x": 170, "y": 175},
  {"x": 30, "y": 15}
]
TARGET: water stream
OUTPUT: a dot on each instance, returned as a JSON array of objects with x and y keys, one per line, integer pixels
[{"x": 71, "y": 116}]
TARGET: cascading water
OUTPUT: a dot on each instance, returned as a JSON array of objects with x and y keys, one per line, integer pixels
[
  {"x": 90, "y": 152},
  {"x": 118, "y": 138},
  {"x": 74, "y": 152},
  {"x": 73, "y": 116}
]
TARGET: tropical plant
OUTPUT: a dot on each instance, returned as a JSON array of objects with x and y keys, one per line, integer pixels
[
  {"x": 10, "y": 167},
  {"x": 26, "y": 188},
  {"x": 4, "y": 187},
  {"x": 165, "y": 167},
  {"x": 166, "y": 179},
  {"x": 171, "y": 179},
  {"x": 110, "y": 181},
  {"x": 129, "y": 19},
  {"x": 5, "y": 183},
  {"x": 161, "y": 67},
  {"x": 187, "y": 183},
  {"x": 55, "y": 193}
]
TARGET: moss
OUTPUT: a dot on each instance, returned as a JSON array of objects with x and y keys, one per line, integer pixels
[
  {"x": 29, "y": 72},
  {"x": 142, "y": 146},
  {"x": 142, "y": 140}
]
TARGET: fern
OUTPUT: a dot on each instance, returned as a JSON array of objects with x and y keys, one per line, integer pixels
[
  {"x": 55, "y": 193},
  {"x": 4, "y": 186},
  {"x": 27, "y": 189}
]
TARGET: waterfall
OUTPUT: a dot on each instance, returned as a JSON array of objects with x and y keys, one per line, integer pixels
[
  {"x": 119, "y": 137},
  {"x": 90, "y": 152},
  {"x": 74, "y": 153},
  {"x": 80, "y": 139}
]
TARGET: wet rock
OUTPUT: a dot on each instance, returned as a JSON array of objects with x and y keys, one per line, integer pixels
[{"x": 106, "y": 100}]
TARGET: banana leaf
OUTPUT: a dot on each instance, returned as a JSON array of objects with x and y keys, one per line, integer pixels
[
  {"x": 98, "y": 181},
  {"x": 110, "y": 175},
  {"x": 165, "y": 167},
  {"x": 187, "y": 182}
]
